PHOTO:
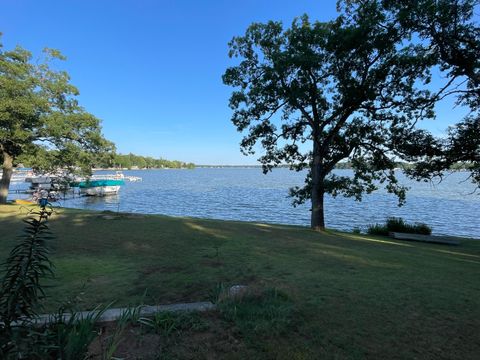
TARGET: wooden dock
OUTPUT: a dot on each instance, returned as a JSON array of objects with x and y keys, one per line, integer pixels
[{"x": 448, "y": 240}]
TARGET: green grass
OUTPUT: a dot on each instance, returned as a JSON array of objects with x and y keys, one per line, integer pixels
[
  {"x": 167, "y": 323},
  {"x": 260, "y": 313},
  {"x": 342, "y": 295}
]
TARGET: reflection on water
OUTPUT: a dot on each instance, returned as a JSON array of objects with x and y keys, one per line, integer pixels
[
  {"x": 106, "y": 201},
  {"x": 246, "y": 194}
]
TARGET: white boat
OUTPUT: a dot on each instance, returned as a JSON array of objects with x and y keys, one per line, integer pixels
[
  {"x": 117, "y": 176},
  {"x": 100, "y": 190},
  {"x": 95, "y": 185},
  {"x": 19, "y": 175},
  {"x": 99, "y": 187},
  {"x": 40, "y": 181}
]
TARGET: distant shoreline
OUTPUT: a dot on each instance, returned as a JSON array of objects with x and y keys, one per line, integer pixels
[
  {"x": 133, "y": 168},
  {"x": 237, "y": 167}
]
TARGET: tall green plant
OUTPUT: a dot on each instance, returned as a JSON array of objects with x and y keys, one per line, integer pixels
[{"x": 26, "y": 265}]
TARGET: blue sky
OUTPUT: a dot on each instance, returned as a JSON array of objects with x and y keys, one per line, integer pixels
[{"x": 151, "y": 70}]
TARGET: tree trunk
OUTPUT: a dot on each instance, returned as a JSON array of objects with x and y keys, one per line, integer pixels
[
  {"x": 6, "y": 176},
  {"x": 318, "y": 192}
]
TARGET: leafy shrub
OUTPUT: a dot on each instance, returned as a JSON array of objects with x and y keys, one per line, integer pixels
[
  {"x": 394, "y": 224},
  {"x": 21, "y": 287},
  {"x": 423, "y": 229},
  {"x": 377, "y": 229},
  {"x": 27, "y": 263}
]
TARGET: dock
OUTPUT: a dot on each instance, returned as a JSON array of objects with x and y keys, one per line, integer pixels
[{"x": 448, "y": 240}]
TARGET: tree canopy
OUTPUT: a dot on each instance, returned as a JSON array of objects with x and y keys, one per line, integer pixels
[
  {"x": 318, "y": 93},
  {"x": 40, "y": 117},
  {"x": 354, "y": 89},
  {"x": 449, "y": 31}
]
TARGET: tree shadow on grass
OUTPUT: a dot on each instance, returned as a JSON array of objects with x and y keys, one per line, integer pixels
[{"x": 118, "y": 256}]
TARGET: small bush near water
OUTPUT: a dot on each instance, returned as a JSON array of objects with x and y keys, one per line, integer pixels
[
  {"x": 356, "y": 230},
  {"x": 394, "y": 224}
]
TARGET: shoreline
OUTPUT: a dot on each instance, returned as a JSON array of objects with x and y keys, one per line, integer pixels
[{"x": 328, "y": 230}]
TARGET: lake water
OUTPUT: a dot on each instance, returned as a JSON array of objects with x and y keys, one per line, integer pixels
[{"x": 247, "y": 194}]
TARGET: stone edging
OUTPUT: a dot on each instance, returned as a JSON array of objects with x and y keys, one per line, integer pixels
[{"x": 115, "y": 313}]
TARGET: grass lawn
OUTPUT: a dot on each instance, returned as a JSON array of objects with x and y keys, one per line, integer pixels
[{"x": 350, "y": 296}]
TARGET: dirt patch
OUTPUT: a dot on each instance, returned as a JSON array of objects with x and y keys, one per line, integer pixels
[
  {"x": 131, "y": 343},
  {"x": 217, "y": 340}
]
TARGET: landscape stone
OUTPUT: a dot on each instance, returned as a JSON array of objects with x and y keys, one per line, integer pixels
[{"x": 115, "y": 313}]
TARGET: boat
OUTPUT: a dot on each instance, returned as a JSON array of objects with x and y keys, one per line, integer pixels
[
  {"x": 40, "y": 181},
  {"x": 48, "y": 182},
  {"x": 20, "y": 174},
  {"x": 117, "y": 176},
  {"x": 99, "y": 187},
  {"x": 95, "y": 185}
]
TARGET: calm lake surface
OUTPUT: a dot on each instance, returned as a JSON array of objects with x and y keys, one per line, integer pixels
[{"x": 247, "y": 194}]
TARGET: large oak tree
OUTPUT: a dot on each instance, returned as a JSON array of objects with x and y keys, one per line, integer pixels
[
  {"x": 40, "y": 117},
  {"x": 318, "y": 93}
]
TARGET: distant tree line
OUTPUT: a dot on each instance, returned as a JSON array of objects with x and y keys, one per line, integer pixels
[
  {"x": 106, "y": 161},
  {"x": 409, "y": 166},
  {"x": 129, "y": 161}
]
